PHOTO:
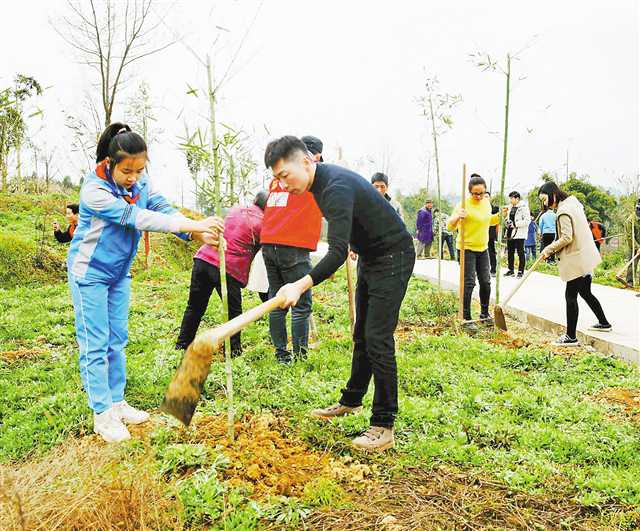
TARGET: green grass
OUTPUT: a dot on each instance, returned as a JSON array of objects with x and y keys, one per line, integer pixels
[{"x": 524, "y": 416}]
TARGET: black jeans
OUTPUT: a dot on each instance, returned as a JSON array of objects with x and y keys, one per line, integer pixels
[
  {"x": 476, "y": 263},
  {"x": 382, "y": 284},
  {"x": 581, "y": 286},
  {"x": 514, "y": 246},
  {"x": 548, "y": 239},
  {"x": 492, "y": 254},
  {"x": 204, "y": 278},
  {"x": 284, "y": 265}
]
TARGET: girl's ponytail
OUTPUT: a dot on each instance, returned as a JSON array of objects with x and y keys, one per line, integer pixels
[{"x": 118, "y": 142}]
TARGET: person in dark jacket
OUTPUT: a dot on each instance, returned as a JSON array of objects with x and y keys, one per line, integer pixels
[
  {"x": 358, "y": 216},
  {"x": 493, "y": 238},
  {"x": 72, "y": 218},
  {"x": 530, "y": 242}
]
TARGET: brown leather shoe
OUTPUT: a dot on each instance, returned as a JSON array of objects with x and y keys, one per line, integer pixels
[{"x": 337, "y": 410}]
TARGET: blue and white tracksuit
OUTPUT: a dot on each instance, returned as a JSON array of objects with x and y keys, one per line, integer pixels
[{"x": 102, "y": 250}]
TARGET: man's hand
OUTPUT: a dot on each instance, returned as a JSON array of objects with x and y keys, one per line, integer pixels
[
  {"x": 292, "y": 292},
  {"x": 56, "y": 226}
]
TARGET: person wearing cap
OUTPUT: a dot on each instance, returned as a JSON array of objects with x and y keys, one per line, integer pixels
[
  {"x": 290, "y": 231},
  {"x": 381, "y": 183},
  {"x": 517, "y": 223},
  {"x": 359, "y": 217},
  {"x": 424, "y": 229}
]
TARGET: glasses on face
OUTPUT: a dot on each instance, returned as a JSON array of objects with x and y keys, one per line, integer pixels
[{"x": 477, "y": 194}]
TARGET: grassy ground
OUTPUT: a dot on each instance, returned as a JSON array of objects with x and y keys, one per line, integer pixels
[
  {"x": 503, "y": 413},
  {"x": 494, "y": 431}
]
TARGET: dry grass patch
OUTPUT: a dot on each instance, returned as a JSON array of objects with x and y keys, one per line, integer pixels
[{"x": 87, "y": 484}]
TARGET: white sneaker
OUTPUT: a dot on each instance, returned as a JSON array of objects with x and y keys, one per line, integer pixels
[
  {"x": 109, "y": 426},
  {"x": 129, "y": 414}
]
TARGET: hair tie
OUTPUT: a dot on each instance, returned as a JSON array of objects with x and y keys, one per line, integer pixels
[{"x": 122, "y": 130}]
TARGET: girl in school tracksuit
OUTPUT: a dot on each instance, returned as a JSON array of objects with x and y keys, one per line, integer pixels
[{"x": 117, "y": 202}]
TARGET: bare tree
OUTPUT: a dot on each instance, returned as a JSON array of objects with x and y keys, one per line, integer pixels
[
  {"x": 108, "y": 36},
  {"x": 436, "y": 108}
]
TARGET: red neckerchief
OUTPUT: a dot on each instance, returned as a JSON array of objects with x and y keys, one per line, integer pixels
[{"x": 102, "y": 171}]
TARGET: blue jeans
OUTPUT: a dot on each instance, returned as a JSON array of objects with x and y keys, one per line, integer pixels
[
  {"x": 529, "y": 251},
  {"x": 284, "y": 265},
  {"x": 102, "y": 312}
]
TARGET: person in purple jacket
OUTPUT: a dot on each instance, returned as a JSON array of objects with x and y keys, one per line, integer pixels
[
  {"x": 424, "y": 233},
  {"x": 242, "y": 227}
]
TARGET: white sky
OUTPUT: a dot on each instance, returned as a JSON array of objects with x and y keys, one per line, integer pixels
[{"x": 349, "y": 72}]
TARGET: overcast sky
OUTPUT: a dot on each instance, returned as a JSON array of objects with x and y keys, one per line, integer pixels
[{"x": 350, "y": 73}]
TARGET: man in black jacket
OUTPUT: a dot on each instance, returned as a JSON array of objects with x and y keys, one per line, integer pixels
[{"x": 358, "y": 216}]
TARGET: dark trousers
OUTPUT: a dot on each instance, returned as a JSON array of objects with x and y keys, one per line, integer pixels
[
  {"x": 204, "y": 278},
  {"x": 492, "y": 254},
  {"x": 581, "y": 286},
  {"x": 284, "y": 265},
  {"x": 382, "y": 284},
  {"x": 548, "y": 239},
  {"x": 514, "y": 246},
  {"x": 476, "y": 264},
  {"x": 448, "y": 240}
]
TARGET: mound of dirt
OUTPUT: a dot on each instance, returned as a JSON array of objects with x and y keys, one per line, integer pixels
[{"x": 268, "y": 460}]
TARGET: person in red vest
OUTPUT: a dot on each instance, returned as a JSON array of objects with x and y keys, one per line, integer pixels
[
  {"x": 290, "y": 231},
  {"x": 72, "y": 218}
]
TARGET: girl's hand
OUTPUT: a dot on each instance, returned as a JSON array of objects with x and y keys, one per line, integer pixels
[
  {"x": 462, "y": 213},
  {"x": 211, "y": 238},
  {"x": 545, "y": 253},
  {"x": 212, "y": 224}
]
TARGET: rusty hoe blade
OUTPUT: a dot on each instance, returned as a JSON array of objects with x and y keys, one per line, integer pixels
[
  {"x": 185, "y": 389},
  {"x": 498, "y": 317}
]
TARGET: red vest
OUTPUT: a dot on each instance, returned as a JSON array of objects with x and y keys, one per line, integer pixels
[{"x": 290, "y": 219}]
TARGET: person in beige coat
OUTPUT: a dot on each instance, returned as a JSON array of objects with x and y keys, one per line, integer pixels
[{"x": 578, "y": 256}]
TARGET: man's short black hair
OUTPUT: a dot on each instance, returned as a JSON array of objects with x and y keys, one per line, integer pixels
[
  {"x": 380, "y": 177},
  {"x": 261, "y": 199},
  {"x": 282, "y": 148},
  {"x": 75, "y": 208},
  {"x": 515, "y": 194}
]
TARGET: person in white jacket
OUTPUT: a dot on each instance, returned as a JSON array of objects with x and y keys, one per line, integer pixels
[{"x": 517, "y": 224}]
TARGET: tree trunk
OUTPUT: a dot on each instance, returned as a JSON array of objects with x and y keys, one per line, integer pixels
[
  {"x": 503, "y": 176},
  {"x": 221, "y": 248}
]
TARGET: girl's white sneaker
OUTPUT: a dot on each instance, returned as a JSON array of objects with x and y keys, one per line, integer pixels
[
  {"x": 109, "y": 426},
  {"x": 129, "y": 414}
]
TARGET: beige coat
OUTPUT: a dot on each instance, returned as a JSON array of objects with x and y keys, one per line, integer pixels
[{"x": 576, "y": 249}]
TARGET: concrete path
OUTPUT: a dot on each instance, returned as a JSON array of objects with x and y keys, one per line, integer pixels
[{"x": 540, "y": 302}]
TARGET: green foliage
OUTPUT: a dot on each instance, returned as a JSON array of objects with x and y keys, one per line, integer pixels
[
  {"x": 202, "y": 497},
  {"x": 177, "y": 458},
  {"x": 323, "y": 492}
]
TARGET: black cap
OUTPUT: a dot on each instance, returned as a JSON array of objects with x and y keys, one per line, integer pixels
[{"x": 314, "y": 145}]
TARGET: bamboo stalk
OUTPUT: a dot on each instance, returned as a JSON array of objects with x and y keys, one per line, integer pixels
[
  {"x": 503, "y": 177},
  {"x": 435, "y": 148},
  {"x": 221, "y": 249}
]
